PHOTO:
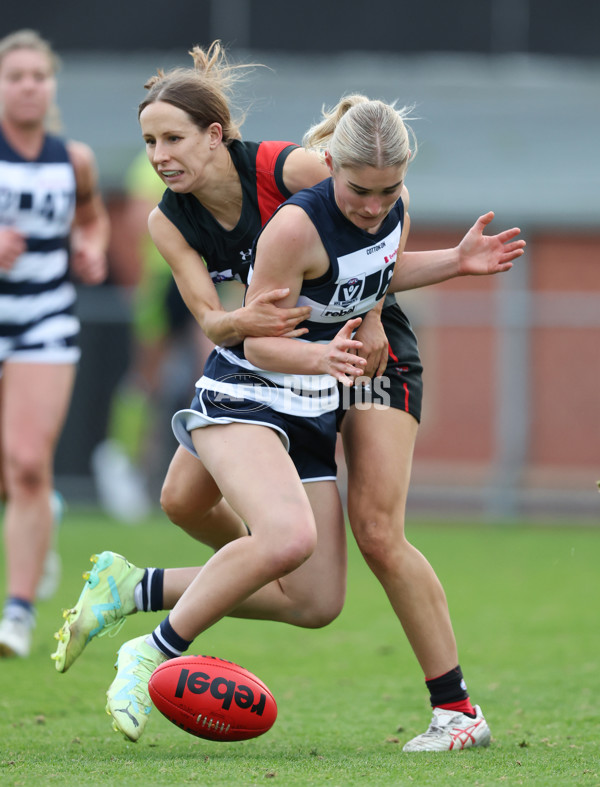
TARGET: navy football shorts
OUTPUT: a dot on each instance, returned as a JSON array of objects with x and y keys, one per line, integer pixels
[{"x": 310, "y": 441}]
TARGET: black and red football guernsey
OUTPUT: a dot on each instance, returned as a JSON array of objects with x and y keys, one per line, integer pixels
[{"x": 228, "y": 253}]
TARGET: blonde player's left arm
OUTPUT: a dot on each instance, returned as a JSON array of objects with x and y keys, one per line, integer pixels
[{"x": 477, "y": 254}]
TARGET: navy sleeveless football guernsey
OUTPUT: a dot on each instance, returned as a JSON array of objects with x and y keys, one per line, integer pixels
[{"x": 360, "y": 270}]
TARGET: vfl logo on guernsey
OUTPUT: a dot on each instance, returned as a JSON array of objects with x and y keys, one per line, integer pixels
[
  {"x": 349, "y": 291},
  {"x": 346, "y": 297}
]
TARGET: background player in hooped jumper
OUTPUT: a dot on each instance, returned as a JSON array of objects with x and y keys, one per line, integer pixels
[
  {"x": 52, "y": 219},
  {"x": 192, "y": 150}
]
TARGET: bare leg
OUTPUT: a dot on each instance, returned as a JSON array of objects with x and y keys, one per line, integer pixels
[
  {"x": 313, "y": 595},
  {"x": 292, "y": 569},
  {"x": 35, "y": 402},
  {"x": 273, "y": 502},
  {"x": 192, "y": 500},
  {"x": 379, "y": 447}
]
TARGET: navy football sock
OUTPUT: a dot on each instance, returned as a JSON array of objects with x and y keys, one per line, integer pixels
[
  {"x": 16, "y": 608},
  {"x": 148, "y": 593},
  {"x": 168, "y": 641}
]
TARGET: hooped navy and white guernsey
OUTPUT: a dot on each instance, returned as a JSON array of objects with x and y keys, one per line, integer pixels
[
  {"x": 37, "y": 198},
  {"x": 361, "y": 267}
]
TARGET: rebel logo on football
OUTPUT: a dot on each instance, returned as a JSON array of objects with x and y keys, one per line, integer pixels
[{"x": 224, "y": 690}]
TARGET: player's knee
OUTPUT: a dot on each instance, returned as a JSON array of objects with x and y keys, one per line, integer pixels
[
  {"x": 293, "y": 549},
  {"x": 25, "y": 471},
  {"x": 174, "y": 504},
  {"x": 288, "y": 559},
  {"x": 377, "y": 537},
  {"x": 324, "y": 609},
  {"x": 170, "y": 506}
]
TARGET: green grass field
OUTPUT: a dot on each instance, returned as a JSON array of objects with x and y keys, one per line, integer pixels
[{"x": 524, "y": 602}]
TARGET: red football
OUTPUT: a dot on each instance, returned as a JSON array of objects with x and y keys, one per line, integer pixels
[{"x": 212, "y": 698}]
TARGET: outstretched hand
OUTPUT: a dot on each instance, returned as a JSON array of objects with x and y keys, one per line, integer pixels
[
  {"x": 481, "y": 254},
  {"x": 339, "y": 359}
]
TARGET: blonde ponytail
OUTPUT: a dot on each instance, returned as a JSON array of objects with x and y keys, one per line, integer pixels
[{"x": 359, "y": 132}]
